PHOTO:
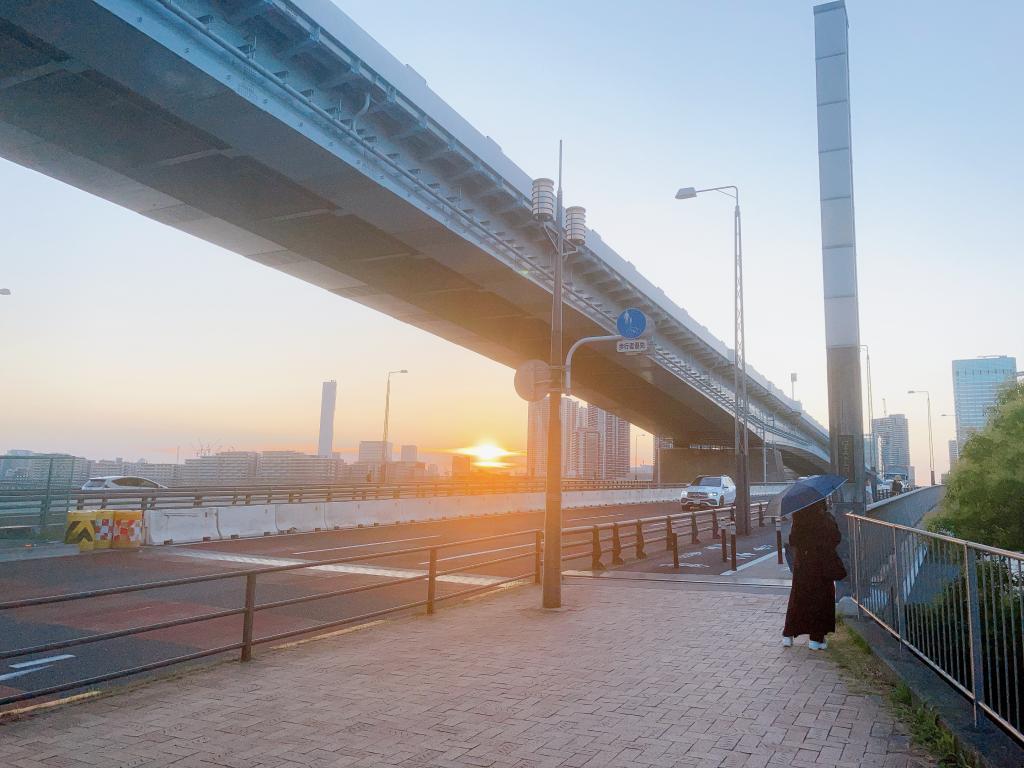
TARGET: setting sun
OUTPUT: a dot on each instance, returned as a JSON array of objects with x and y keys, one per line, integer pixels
[{"x": 488, "y": 455}]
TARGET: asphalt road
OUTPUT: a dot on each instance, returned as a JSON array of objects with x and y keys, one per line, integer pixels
[{"x": 400, "y": 577}]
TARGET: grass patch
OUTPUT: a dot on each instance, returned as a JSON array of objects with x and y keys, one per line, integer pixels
[{"x": 868, "y": 674}]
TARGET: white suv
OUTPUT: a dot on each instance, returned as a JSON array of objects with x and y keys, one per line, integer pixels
[
  {"x": 709, "y": 491},
  {"x": 121, "y": 483}
]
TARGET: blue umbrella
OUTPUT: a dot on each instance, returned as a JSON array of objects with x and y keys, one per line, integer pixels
[
  {"x": 800, "y": 495},
  {"x": 803, "y": 493}
]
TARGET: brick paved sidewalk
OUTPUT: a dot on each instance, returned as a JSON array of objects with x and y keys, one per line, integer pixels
[{"x": 628, "y": 675}]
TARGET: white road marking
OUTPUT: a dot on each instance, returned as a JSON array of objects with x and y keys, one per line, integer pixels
[
  {"x": 592, "y": 517},
  {"x": 12, "y": 675},
  {"x": 353, "y": 568},
  {"x": 367, "y": 544},
  {"x": 36, "y": 665},
  {"x": 685, "y": 565},
  {"x": 748, "y": 565},
  {"x": 46, "y": 660},
  {"x": 484, "y": 552}
]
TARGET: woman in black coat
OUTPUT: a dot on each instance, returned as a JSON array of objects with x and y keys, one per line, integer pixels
[{"x": 812, "y": 599}]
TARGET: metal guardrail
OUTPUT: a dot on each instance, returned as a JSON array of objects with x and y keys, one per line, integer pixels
[
  {"x": 714, "y": 524},
  {"x": 40, "y": 509},
  {"x": 37, "y": 508},
  {"x": 717, "y": 524},
  {"x": 957, "y": 605},
  {"x": 248, "y": 640}
]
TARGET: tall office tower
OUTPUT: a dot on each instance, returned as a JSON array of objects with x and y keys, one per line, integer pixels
[
  {"x": 410, "y": 453},
  {"x": 895, "y": 437},
  {"x": 976, "y": 386},
  {"x": 328, "y": 400}
]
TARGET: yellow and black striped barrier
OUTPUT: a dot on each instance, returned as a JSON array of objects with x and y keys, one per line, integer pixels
[{"x": 81, "y": 530}]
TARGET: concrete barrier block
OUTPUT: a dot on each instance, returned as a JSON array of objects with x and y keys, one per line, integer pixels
[
  {"x": 299, "y": 517},
  {"x": 246, "y": 520},
  {"x": 173, "y": 526}
]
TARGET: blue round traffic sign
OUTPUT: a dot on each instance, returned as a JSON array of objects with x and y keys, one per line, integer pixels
[{"x": 631, "y": 324}]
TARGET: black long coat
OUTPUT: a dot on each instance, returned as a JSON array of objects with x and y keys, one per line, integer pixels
[{"x": 812, "y": 599}]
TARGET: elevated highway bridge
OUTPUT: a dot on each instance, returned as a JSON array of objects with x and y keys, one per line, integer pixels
[{"x": 278, "y": 129}]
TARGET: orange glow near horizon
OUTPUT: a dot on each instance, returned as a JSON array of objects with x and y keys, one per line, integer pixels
[{"x": 488, "y": 455}]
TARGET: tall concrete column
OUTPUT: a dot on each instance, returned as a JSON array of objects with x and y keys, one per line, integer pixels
[{"x": 839, "y": 258}]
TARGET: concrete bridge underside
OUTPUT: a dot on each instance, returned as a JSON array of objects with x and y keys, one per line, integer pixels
[{"x": 100, "y": 104}]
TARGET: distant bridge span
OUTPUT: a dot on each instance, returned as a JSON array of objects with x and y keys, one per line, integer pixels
[{"x": 280, "y": 130}]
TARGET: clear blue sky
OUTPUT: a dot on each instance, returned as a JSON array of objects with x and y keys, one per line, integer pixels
[{"x": 125, "y": 337}]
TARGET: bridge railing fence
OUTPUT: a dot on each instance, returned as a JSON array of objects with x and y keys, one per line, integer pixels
[
  {"x": 955, "y": 604},
  {"x": 36, "y": 507}
]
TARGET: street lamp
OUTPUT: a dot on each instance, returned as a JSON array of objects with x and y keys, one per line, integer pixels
[
  {"x": 931, "y": 448},
  {"x": 871, "y": 418},
  {"x": 546, "y": 204},
  {"x": 384, "y": 457},
  {"x": 741, "y": 442}
]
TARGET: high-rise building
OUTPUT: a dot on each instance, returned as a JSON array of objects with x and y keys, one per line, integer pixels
[
  {"x": 977, "y": 383},
  {"x": 660, "y": 443},
  {"x": 409, "y": 453},
  {"x": 374, "y": 451},
  {"x": 294, "y": 468},
  {"x": 462, "y": 466},
  {"x": 225, "y": 468},
  {"x": 595, "y": 443},
  {"x": 537, "y": 437},
  {"x": 614, "y": 432},
  {"x": 894, "y": 435},
  {"x": 165, "y": 474},
  {"x": 873, "y": 453},
  {"x": 954, "y": 453},
  {"x": 328, "y": 401}
]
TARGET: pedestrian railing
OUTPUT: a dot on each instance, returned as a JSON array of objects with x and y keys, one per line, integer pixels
[
  {"x": 957, "y": 605},
  {"x": 248, "y": 606},
  {"x": 614, "y": 540}
]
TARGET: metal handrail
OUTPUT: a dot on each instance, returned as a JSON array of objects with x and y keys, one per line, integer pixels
[
  {"x": 955, "y": 604},
  {"x": 941, "y": 537},
  {"x": 251, "y": 607}
]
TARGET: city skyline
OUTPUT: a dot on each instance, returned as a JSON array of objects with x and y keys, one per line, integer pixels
[{"x": 156, "y": 406}]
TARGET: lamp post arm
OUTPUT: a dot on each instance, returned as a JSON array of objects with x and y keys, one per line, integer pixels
[{"x": 572, "y": 351}]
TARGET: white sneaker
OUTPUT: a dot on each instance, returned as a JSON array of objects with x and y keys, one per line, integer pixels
[
  {"x": 787, "y": 642},
  {"x": 814, "y": 645}
]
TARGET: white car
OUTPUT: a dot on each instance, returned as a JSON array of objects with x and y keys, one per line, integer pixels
[
  {"x": 121, "y": 483},
  {"x": 709, "y": 491}
]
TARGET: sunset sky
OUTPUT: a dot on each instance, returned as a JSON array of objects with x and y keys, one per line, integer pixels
[{"x": 124, "y": 337}]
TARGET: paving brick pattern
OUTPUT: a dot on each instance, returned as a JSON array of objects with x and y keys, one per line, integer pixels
[{"x": 626, "y": 675}]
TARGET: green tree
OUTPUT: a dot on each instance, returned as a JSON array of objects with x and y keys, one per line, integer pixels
[{"x": 985, "y": 495}]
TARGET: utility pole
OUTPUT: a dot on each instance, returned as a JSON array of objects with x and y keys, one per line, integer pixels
[{"x": 547, "y": 208}]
